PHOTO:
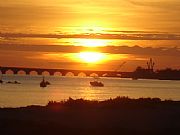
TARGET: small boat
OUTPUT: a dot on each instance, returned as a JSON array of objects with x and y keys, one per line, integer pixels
[
  {"x": 43, "y": 83},
  {"x": 14, "y": 82},
  {"x": 134, "y": 78},
  {"x": 96, "y": 83}
]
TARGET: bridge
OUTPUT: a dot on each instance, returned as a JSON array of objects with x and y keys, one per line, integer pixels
[{"x": 61, "y": 72}]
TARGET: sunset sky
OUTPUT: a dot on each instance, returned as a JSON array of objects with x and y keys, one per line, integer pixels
[{"x": 89, "y": 34}]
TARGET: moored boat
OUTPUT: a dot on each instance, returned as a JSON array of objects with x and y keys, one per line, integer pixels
[
  {"x": 43, "y": 83},
  {"x": 96, "y": 83},
  {"x": 13, "y": 82}
]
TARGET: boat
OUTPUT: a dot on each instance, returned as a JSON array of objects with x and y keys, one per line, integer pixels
[
  {"x": 1, "y": 81},
  {"x": 96, "y": 83},
  {"x": 14, "y": 82},
  {"x": 134, "y": 78},
  {"x": 43, "y": 83}
]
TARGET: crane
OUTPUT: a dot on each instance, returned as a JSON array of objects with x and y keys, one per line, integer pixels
[
  {"x": 119, "y": 67},
  {"x": 116, "y": 71}
]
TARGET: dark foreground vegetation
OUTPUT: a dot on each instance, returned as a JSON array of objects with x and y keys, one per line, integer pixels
[{"x": 119, "y": 116}]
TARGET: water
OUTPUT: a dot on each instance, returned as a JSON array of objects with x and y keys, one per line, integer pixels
[{"x": 29, "y": 92}]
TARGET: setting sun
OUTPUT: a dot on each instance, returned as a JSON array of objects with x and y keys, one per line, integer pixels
[{"x": 91, "y": 57}]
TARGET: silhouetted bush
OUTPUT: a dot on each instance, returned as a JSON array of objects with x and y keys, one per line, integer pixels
[
  {"x": 118, "y": 102},
  {"x": 121, "y": 115}
]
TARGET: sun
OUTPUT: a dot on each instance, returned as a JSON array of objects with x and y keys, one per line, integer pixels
[{"x": 91, "y": 57}]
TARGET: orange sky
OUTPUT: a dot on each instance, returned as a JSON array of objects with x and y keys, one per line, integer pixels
[
  {"x": 153, "y": 15},
  {"x": 31, "y": 32}
]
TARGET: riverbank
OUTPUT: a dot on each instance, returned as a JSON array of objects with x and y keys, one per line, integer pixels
[{"x": 121, "y": 115}]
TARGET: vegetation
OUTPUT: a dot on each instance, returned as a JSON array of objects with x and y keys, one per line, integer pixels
[{"x": 120, "y": 115}]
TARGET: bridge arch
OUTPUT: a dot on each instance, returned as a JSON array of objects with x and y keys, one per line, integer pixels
[
  {"x": 9, "y": 71},
  {"x": 21, "y": 72},
  {"x": 33, "y": 72},
  {"x": 57, "y": 74},
  {"x": 81, "y": 74},
  {"x": 105, "y": 74},
  {"x": 69, "y": 74},
  {"x": 93, "y": 75},
  {"x": 45, "y": 73}
]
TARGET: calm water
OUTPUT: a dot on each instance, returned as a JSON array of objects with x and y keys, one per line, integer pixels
[{"x": 29, "y": 92}]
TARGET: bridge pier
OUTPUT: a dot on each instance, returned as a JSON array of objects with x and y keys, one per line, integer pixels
[{"x": 3, "y": 71}]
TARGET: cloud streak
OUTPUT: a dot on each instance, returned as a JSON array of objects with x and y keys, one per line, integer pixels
[
  {"x": 130, "y": 36},
  {"x": 135, "y": 50},
  {"x": 161, "y": 4}
]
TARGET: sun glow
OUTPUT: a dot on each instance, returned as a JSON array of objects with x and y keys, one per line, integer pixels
[
  {"x": 92, "y": 42},
  {"x": 91, "y": 57}
]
